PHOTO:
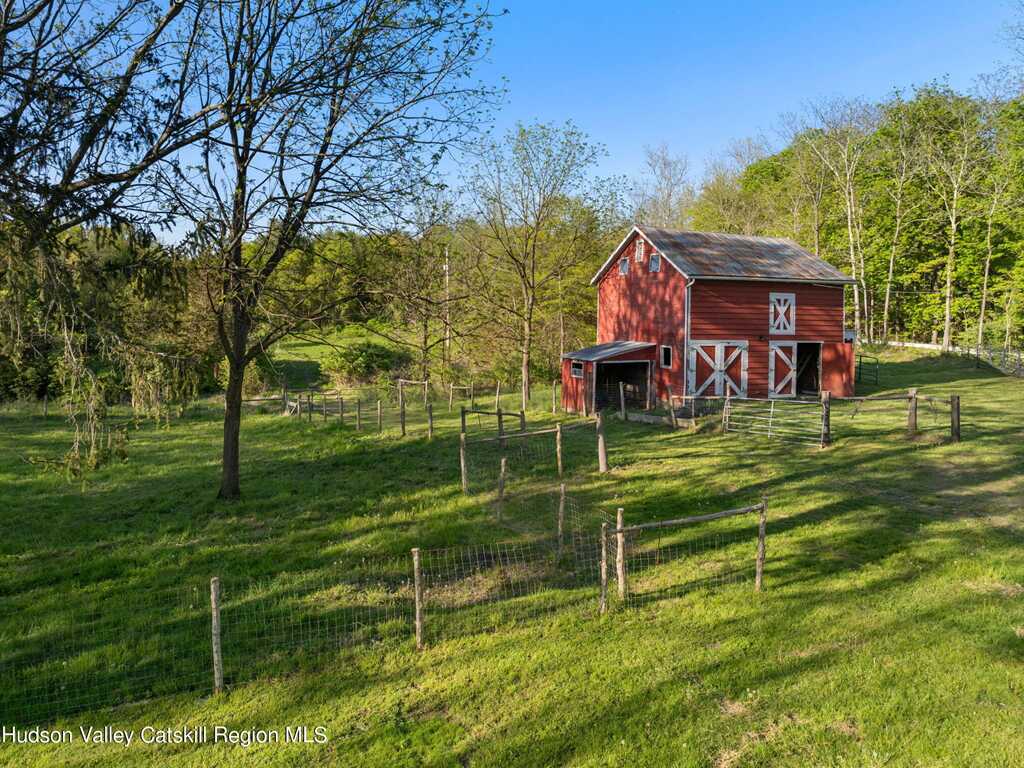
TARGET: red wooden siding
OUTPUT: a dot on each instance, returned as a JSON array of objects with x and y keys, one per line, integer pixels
[
  {"x": 574, "y": 390},
  {"x": 837, "y": 369},
  {"x": 645, "y": 306},
  {"x": 733, "y": 309}
]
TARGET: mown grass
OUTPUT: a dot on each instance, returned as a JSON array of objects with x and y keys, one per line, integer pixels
[{"x": 890, "y": 632}]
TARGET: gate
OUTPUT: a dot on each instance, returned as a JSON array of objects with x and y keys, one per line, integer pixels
[{"x": 797, "y": 421}]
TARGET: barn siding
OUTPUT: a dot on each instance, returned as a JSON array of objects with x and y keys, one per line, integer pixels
[
  {"x": 645, "y": 306},
  {"x": 732, "y": 309},
  {"x": 574, "y": 390}
]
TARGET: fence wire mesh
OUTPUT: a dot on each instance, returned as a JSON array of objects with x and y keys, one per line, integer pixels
[{"x": 529, "y": 454}]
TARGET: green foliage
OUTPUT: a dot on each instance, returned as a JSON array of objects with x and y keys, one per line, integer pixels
[
  {"x": 261, "y": 375},
  {"x": 366, "y": 361}
]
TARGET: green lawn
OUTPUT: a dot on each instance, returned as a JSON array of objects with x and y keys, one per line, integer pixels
[{"x": 890, "y": 631}]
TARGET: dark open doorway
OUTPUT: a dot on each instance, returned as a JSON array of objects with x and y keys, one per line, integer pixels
[
  {"x": 808, "y": 368},
  {"x": 634, "y": 376}
]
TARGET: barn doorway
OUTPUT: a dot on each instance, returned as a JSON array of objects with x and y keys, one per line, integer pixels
[
  {"x": 634, "y": 376},
  {"x": 808, "y": 368}
]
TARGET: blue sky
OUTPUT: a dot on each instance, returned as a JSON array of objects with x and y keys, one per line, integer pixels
[{"x": 697, "y": 75}]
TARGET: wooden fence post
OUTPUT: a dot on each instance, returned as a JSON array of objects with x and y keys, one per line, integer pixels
[
  {"x": 325, "y": 406},
  {"x": 501, "y": 426},
  {"x": 401, "y": 410},
  {"x": 602, "y": 448},
  {"x": 218, "y": 659},
  {"x": 430, "y": 421},
  {"x": 954, "y": 418},
  {"x": 501, "y": 485},
  {"x": 426, "y": 393},
  {"x": 561, "y": 516},
  {"x": 462, "y": 419},
  {"x": 620, "y": 552},
  {"x": 298, "y": 405},
  {"x": 759, "y": 563},
  {"x": 380, "y": 415},
  {"x": 462, "y": 462},
  {"x": 522, "y": 421},
  {"x": 622, "y": 400},
  {"x": 284, "y": 398},
  {"x": 826, "y": 418},
  {"x": 497, "y": 396},
  {"x": 558, "y": 448},
  {"x": 603, "y": 604},
  {"x": 912, "y": 411},
  {"x": 359, "y": 414},
  {"x": 341, "y": 409},
  {"x": 309, "y": 407},
  {"x": 451, "y": 396},
  {"x": 417, "y": 577},
  {"x": 554, "y": 397}
]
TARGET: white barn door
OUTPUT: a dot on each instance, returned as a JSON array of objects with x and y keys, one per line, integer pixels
[
  {"x": 717, "y": 368},
  {"x": 782, "y": 369}
]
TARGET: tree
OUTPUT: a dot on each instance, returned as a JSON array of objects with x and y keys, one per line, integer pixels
[
  {"x": 337, "y": 114},
  {"x": 663, "y": 196},
  {"x": 540, "y": 214},
  {"x": 954, "y": 153},
  {"x": 844, "y": 129}
]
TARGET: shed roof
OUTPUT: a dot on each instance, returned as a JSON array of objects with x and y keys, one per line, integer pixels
[
  {"x": 606, "y": 350},
  {"x": 712, "y": 255}
]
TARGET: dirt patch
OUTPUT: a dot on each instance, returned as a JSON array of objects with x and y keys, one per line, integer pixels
[
  {"x": 731, "y": 708},
  {"x": 999, "y": 588},
  {"x": 847, "y": 728},
  {"x": 728, "y": 758}
]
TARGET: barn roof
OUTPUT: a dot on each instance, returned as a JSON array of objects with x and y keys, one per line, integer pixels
[
  {"x": 711, "y": 255},
  {"x": 606, "y": 350}
]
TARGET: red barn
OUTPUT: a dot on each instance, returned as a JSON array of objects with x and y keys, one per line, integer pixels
[{"x": 704, "y": 314}]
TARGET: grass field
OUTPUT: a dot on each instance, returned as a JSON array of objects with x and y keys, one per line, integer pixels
[{"x": 890, "y": 632}]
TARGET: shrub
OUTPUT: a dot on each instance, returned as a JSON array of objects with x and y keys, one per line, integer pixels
[{"x": 365, "y": 361}]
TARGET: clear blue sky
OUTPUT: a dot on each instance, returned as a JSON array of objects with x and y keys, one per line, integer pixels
[{"x": 697, "y": 75}]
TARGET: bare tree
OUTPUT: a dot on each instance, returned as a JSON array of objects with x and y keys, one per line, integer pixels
[
  {"x": 840, "y": 143},
  {"x": 954, "y": 153},
  {"x": 899, "y": 162},
  {"x": 663, "y": 196},
  {"x": 337, "y": 115},
  {"x": 535, "y": 199}
]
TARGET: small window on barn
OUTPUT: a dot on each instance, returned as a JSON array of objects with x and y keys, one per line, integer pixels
[
  {"x": 576, "y": 369},
  {"x": 654, "y": 264},
  {"x": 782, "y": 313},
  {"x": 666, "y": 357},
  {"x": 623, "y": 266},
  {"x": 638, "y": 251}
]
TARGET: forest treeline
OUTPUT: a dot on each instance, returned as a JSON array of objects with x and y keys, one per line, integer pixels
[{"x": 186, "y": 186}]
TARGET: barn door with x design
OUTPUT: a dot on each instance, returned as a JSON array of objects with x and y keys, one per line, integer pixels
[
  {"x": 717, "y": 368},
  {"x": 782, "y": 369}
]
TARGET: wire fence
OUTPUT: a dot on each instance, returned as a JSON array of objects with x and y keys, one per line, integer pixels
[
  {"x": 1009, "y": 361},
  {"x": 97, "y": 648}
]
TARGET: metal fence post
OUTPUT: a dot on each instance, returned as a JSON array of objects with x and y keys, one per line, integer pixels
[
  {"x": 558, "y": 448},
  {"x": 954, "y": 418},
  {"x": 622, "y": 400},
  {"x": 826, "y": 418},
  {"x": 561, "y": 516},
  {"x": 462, "y": 462},
  {"x": 912, "y": 411},
  {"x": 603, "y": 603},
  {"x": 602, "y": 448},
  {"x": 418, "y": 586},
  {"x": 501, "y": 486},
  {"x": 620, "y": 552},
  {"x": 401, "y": 410},
  {"x": 761, "y": 525},
  {"x": 218, "y": 660}
]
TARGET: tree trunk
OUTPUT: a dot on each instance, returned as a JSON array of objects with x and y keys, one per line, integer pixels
[
  {"x": 984, "y": 284},
  {"x": 230, "y": 488},
  {"x": 853, "y": 265},
  {"x": 892, "y": 268},
  {"x": 527, "y": 340},
  {"x": 947, "y": 325}
]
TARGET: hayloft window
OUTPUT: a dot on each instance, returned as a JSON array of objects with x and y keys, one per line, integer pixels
[
  {"x": 576, "y": 369},
  {"x": 638, "y": 251},
  {"x": 782, "y": 313},
  {"x": 654, "y": 263},
  {"x": 666, "y": 357},
  {"x": 623, "y": 266}
]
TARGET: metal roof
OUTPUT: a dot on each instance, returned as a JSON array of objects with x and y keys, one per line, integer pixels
[
  {"x": 606, "y": 350},
  {"x": 712, "y": 255}
]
